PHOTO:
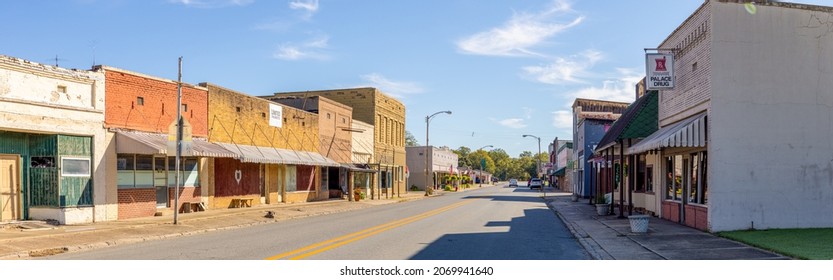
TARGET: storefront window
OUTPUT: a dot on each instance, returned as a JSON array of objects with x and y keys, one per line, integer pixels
[
  {"x": 75, "y": 167},
  {"x": 144, "y": 171},
  {"x": 704, "y": 192},
  {"x": 126, "y": 171},
  {"x": 640, "y": 173},
  {"x": 693, "y": 182},
  {"x": 669, "y": 178},
  {"x": 679, "y": 168}
]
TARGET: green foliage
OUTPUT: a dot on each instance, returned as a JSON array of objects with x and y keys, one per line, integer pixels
[
  {"x": 414, "y": 188},
  {"x": 810, "y": 243},
  {"x": 410, "y": 140},
  {"x": 448, "y": 188}
]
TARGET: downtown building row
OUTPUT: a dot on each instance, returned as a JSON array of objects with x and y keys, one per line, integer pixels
[
  {"x": 742, "y": 139},
  {"x": 86, "y": 146}
]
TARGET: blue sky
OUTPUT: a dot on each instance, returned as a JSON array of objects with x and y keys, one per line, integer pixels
[{"x": 505, "y": 68}]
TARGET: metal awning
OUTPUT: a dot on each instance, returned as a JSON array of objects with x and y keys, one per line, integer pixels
[
  {"x": 257, "y": 154},
  {"x": 144, "y": 143},
  {"x": 560, "y": 171},
  {"x": 359, "y": 167},
  {"x": 690, "y": 132}
]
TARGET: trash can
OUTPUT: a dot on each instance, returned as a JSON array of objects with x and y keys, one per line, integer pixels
[{"x": 639, "y": 223}]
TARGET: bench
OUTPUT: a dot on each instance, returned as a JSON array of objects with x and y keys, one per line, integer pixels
[
  {"x": 241, "y": 202},
  {"x": 188, "y": 207}
]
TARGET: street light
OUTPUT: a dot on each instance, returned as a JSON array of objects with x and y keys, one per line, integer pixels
[
  {"x": 538, "y": 159},
  {"x": 482, "y": 166},
  {"x": 428, "y": 147}
]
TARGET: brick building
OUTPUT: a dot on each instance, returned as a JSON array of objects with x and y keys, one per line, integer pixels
[
  {"x": 387, "y": 115},
  {"x": 277, "y": 149},
  {"x": 140, "y": 110}
]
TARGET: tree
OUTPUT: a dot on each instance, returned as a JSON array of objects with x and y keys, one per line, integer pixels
[
  {"x": 410, "y": 140},
  {"x": 463, "y": 156}
]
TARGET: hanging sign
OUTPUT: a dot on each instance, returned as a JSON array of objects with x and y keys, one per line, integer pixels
[{"x": 659, "y": 71}]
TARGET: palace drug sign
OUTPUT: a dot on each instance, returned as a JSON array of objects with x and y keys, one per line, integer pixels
[{"x": 659, "y": 70}]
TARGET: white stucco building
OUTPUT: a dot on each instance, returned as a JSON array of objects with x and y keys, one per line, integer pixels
[
  {"x": 746, "y": 131},
  {"x": 442, "y": 161},
  {"x": 52, "y": 138}
]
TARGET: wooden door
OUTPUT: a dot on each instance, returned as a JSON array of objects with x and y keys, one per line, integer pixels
[{"x": 10, "y": 188}]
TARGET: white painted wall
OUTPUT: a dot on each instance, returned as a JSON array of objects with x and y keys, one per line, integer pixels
[
  {"x": 771, "y": 154},
  {"x": 362, "y": 145},
  {"x": 30, "y": 102}
]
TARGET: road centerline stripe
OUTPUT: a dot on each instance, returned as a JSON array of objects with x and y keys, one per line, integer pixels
[{"x": 352, "y": 237}]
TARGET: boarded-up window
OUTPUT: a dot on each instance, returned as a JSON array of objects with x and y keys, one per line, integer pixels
[
  {"x": 306, "y": 178},
  {"x": 291, "y": 178}
]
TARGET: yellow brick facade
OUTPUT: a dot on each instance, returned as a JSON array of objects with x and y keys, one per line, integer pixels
[
  {"x": 387, "y": 115},
  {"x": 238, "y": 118}
]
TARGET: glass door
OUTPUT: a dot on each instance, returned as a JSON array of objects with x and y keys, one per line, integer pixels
[{"x": 160, "y": 181}]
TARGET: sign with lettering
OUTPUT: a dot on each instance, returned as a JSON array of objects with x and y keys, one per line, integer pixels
[
  {"x": 275, "y": 115},
  {"x": 659, "y": 71}
]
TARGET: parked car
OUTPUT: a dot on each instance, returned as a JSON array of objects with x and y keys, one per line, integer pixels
[
  {"x": 513, "y": 183},
  {"x": 494, "y": 180},
  {"x": 535, "y": 183}
]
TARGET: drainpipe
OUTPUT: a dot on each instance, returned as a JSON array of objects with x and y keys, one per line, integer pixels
[{"x": 633, "y": 164}]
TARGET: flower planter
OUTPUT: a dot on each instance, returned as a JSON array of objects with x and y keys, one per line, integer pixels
[
  {"x": 602, "y": 209},
  {"x": 639, "y": 223}
]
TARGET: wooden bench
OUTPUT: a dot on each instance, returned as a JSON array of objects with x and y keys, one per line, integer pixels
[{"x": 241, "y": 202}]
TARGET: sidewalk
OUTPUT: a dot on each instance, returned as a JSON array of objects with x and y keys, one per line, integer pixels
[
  {"x": 609, "y": 238},
  {"x": 29, "y": 239}
]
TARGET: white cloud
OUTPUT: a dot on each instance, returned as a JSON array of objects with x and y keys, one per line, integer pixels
[
  {"x": 562, "y": 119},
  {"x": 572, "y": 69},
  {"x": 520, "y": 33},
  {"x": 212, "y": 3},
  {"x": 309, "y": 7},
  {"x": 307, "y": 50},
  {"x": 619, "y": 89},
  {"x": 398, "y": 89},
  {"x": 512, "y": 123}
]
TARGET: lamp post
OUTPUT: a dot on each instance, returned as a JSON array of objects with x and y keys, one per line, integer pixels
[
  {"x": 482, "y": 166},
  {"x": 538, "y": 160},
  {"x": 428, "y": 147}
]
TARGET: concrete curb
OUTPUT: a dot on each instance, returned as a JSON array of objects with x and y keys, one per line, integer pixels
[{"x": 22, "y": 255}]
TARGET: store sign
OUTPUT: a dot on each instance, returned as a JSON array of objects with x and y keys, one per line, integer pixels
[
  {"x": 659, "y": 70},
  {"x": 275, "y": 115}
]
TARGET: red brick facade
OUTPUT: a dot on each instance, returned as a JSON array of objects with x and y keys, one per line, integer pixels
[
  {"x": 190, "y": 195},
  {"x": 158, "y": 98},
  {"x": 134, "y": 203}
]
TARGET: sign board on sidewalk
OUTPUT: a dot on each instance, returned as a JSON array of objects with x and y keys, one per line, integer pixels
[{"x": 659, "y": 71}]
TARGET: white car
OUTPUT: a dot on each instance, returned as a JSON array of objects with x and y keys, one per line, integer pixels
[
  {"x": 535, "y": 183},
  {"x": 513, "y": 183}
]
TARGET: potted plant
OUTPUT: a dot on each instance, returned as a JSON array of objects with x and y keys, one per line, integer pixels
[
  {"x": 357, "y": 194},
  {"x": 602, "y": 205}
]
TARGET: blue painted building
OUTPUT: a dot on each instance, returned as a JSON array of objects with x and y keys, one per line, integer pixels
[{"x": 591, "y": 119}]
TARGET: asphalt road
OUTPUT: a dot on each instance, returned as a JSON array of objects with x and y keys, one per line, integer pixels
[{"x": 492, "y": 223}]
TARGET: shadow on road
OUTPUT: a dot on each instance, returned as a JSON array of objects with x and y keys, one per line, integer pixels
[{"x": 538, "y": 235}]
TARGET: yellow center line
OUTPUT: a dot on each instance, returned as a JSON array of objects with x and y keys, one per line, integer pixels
[{"x": 349, "y": 238}]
